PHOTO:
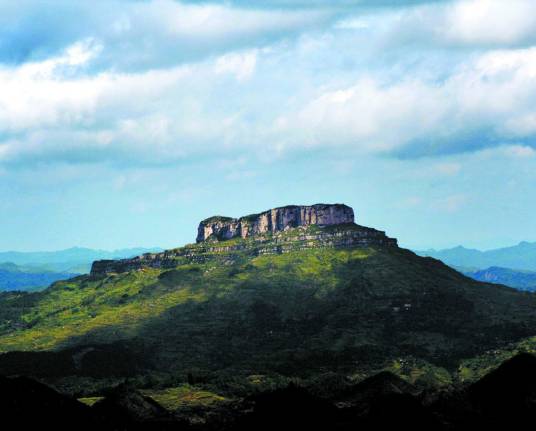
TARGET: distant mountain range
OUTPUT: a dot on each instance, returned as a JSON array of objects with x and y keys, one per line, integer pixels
[
  {"x": 38, "y": 270},
  {"x": 512, "y": 266},
  {"x": 13, "y": 277},
  {"x": 521, "y": 256},
  {"x": 75, "y": 259},
  {"x": 522, "y": 280}
]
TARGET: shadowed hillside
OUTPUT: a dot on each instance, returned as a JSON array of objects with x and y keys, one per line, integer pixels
[{"x": 294, "y": 302}]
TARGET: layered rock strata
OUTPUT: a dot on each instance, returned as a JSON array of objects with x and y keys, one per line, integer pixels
[
  {"x": 326, "y": 226},
  {"x": 274, "y": 220}
]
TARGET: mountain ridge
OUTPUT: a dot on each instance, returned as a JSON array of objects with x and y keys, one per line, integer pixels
[
  {"x": 14, "y": 277},
  {"x": 519, "y": 257},
  {"x": 518, "y": 279}
]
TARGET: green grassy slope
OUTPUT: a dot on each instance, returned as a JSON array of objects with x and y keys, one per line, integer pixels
[{"x": 297, "y": 313}]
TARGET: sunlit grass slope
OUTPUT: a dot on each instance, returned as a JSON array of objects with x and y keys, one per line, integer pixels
[
  {"x": 299, "y": 312},
  {"x": 117, "y": 305}
]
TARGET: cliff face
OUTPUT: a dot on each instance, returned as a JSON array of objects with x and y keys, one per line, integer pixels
[
  {"x": 274, "y": 220},
  {"x": 281, "y": 230}
]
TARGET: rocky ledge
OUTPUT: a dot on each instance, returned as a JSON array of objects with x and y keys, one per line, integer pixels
[{"x": 280, "y": 230}]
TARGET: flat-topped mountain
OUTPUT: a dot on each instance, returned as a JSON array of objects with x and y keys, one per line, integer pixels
[
  {"x": 310, "y": 292},
  {"x": 276, "y": 231},
  {"x": 274, "y": 220}
]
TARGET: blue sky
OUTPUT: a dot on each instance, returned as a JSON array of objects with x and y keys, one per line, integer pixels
[{"x": 124, "y": 123}]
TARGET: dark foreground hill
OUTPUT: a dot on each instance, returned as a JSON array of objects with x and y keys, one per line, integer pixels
[
  {"x": 25, "y": 403},
  {"x": 504, "y": 399},
  {"x": 269, "y": 294}
]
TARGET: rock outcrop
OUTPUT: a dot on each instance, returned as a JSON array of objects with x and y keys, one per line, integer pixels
[
  {"x": 274, "y": 220},
  {"x": 281, "y": 230}
]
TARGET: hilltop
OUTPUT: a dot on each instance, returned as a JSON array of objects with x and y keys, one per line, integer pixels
[
  {"x": 299, "y": 298},
  {"x": 277, "y": 231}
]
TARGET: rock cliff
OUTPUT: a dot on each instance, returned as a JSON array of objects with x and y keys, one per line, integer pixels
[
  {"x": 281, "y": 230},
  {"x": 274, "y": 220}
]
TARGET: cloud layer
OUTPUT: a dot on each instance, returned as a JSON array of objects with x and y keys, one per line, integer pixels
[
  {"x": 159, "y": 82},
  {"x": 143, "y": 35}
]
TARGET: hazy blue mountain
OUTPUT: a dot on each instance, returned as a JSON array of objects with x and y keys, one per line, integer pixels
[
  {"x": 522, "y": 280},
  {"x": 75, "y": 260},
  {"x": 13, "y": 277},
  {"x": 519, "y": 257}
]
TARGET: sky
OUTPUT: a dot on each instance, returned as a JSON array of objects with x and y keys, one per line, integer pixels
[{"x": 124, "y": 123}]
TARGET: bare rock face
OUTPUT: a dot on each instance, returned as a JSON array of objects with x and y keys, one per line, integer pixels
[{"x": 273, "y": 221}]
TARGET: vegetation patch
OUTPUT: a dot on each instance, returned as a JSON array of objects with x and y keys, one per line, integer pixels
[
  {"x": 184, "y": 396},
  {"x": 89, "y": 401}
]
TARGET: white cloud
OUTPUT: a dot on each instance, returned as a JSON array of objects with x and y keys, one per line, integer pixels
[
  {"x": 491, "y": 94},
  {"x": 465, "y": 23},
  {"x": 168, "y": 114},
  {"x": 80, "y": 53},
  {"x": 213, "y": 22},
  {"x": 241, "y": 65},
  {"x": 293, "y": 95},
  {"x": 368, "y": 115},
  {"x": 142, "y": 35},
  {"x": 352, "y": 24},
  {"x": 490, "y": 22},
  {"x": 523, "y": 124}
]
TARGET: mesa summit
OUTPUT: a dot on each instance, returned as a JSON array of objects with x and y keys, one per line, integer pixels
[
  {"x": 275, "y": 231},
  {"x": 274, "y": 220}
]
